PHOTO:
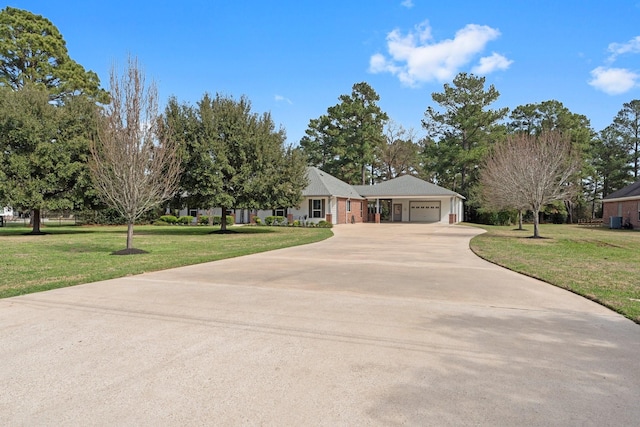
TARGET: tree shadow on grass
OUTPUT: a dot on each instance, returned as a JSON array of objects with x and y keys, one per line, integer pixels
[
  {"x": 131, "y": 251},
  {"x": 223, "y": 232}
]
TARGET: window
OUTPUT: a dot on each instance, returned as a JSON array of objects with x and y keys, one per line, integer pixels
[
  {"x": 193, "y": 212},
  {"x": 348, "y": 205},
  {"x": 279, "y": 212},
  {"x": 638, "y": 211},
  {"x": 316, "y": 208}
]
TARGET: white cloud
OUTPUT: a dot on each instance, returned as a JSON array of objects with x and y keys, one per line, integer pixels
[
  {"x": 280, "y": 98},
  {"x": 617, "y": 49},
  {"x": 407, "y": 3},
  {"x": 489, "y": 64},
  {"x": 614, "y": 81},
  {"x": 416, "y": 57}
]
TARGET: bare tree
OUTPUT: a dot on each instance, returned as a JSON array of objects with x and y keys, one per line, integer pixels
[
  {"x": 399, "y": 156},
  {"x": 530, "y": 171},
  {"x": 134, "y": 165}
]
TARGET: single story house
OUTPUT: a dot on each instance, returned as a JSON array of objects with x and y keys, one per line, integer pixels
[
  {"x": 326, "y": 198},
  {"x": 622, "y": 207}
]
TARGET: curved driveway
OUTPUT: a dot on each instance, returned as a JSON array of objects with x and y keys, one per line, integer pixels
[{"x": 391, "y": 324}]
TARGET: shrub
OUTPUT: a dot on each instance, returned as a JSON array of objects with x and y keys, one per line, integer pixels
[
  {"x": 258, "y": 221},
  {"x": 324, "y": 224},
  {"x": 296, "y": 223},
  {"x": 217, "y": 220},
  {"x": 169, "y": 219},
  {"x": 185, "y": 220},
  {"x": 107, "y": 216},
  {"x": 160, "y": 222},
  {"x": 275, "y": 220},
  {"x": 504, "y": 217},
  {"x": 203, "y": 220}
]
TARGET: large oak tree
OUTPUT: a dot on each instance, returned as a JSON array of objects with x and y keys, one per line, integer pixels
[
  {"x": 47, "y": 115},
  {"x": 43, "y": 151},
  {"x": 234, "y": 158}
]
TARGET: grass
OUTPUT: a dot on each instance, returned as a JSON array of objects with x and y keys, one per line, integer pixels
[
  {"x": 71, "y": 255},
  {"x": 597, "y": 263}
]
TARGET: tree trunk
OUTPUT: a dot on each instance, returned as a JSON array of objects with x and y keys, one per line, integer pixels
[
  {"x": 35, "y": 219},
  {"x": 520, "y": 220},
  {"x": 223, "y": 219},
  {"x": 210, "y": 218},
  {"x": 130, "y": 236},
  {"x": 569, "y": 207},
  {"x": 536, "y": 223},
  {"x": 593, "y": 203}
]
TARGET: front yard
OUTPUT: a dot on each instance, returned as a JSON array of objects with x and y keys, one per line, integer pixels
[{"x": 72, "y": 255}]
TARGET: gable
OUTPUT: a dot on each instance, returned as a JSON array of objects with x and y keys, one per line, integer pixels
[{"x": 322, "y": 184}]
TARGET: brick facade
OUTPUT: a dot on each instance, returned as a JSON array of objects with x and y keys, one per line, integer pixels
[
  {"x": 627, "y": 209},
  {"x": 358, "y": 208}
]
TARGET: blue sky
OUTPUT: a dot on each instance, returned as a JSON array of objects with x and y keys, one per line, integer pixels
[{"x": 295, "y": 58}]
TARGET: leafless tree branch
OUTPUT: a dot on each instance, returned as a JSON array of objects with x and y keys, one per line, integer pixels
[
  {"x": 134, "y": 165},
  {"x": 529, "y": 172}
]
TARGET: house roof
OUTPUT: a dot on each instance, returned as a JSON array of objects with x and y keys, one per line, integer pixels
[
  {"x": 632, "y": 190},
  {"x": 322, "y": 184},
  {"x": 406, "y": 185}
]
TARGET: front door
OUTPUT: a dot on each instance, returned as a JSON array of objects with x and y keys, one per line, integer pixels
[{"x": 397, "y": 213}]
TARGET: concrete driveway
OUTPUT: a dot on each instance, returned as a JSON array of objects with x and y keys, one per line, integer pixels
[{"x": 379, "y": 325}]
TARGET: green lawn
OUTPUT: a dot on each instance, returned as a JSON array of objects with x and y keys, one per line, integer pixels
[
  {"x": 70, "y": 255},
  {"x": 598, "y": 263}
]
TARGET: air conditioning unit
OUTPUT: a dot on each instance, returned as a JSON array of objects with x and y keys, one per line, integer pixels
[{"x": 615, "y": 222}]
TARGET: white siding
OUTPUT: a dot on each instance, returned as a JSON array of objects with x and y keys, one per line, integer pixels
[{"x": 446, "y": 207}]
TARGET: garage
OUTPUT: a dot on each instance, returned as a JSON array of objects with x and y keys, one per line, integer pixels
[
  {"x": 410, "y": 199},
  {"x": 424, "y": 211}
]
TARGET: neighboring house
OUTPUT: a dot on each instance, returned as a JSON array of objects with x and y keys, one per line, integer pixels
[
  {"x": 622, "y": 207},
  {"x": 326, "y": 198},
  {"x": 6, "y": 212}
]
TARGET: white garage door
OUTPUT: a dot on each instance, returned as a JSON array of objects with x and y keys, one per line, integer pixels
[{"x": 424, "y": 211}]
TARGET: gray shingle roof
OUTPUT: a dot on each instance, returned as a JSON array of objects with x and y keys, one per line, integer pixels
[
  {"x": 405, "y": 185},
  {"x": 632, "y": 190},
  {"x": 322, "y": 184}
]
